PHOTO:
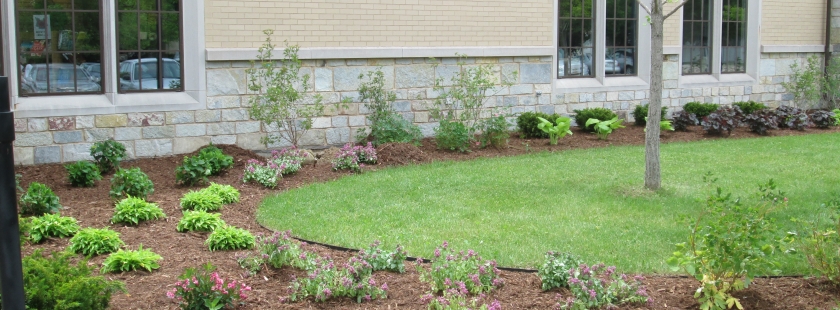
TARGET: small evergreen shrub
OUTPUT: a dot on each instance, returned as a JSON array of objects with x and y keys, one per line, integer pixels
[
  {"x": 748, "y": 107},
  {"x": 227, "y": 193},
  {"x": 640, "y": 114},
  {"x": 107, "y": 155},
  {"x": 556, "y": 270},
  {"x": 699, "y": 109},
  {"x": 724, "y": 119},
  {"x": 601, "y": 114},
  {"x": 52, "y": 225},
  {"x": 761, "y": 121},
  {"x": 83, "y": 173},
  {"x": 93, "y": 241},
  {"x": 39, "y": 199},
  {"x": 452, "y": 136},
  {"x": 122, "y": 261},
  {"x": 528, "y": 123},
  {"x": 683, "y": 120},
  {"x": 54, "y": 283},
  {"x": 823, "y": 119},
  {"x": 230, "y": 238},
  {"x": 131, "y": 182},
  {"x": 203, "y": 289},
  {"x": 200, "y": 221},
  {"x": 133, "y": 210},
  {"x": 201, "y": 201}
]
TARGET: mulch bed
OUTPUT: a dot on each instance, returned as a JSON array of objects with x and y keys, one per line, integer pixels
[{"x": 93, "y": 208}]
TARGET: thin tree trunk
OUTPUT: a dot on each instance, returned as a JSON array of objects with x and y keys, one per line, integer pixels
[{"x": 653, "y": 177}]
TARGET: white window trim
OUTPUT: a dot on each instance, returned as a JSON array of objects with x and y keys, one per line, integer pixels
[
  {"x": 192, "y": 98},
  {"x": 753, "y": 53},
  {"x": 601, "y": 82}
]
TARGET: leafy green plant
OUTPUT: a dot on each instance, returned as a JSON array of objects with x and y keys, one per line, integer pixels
[
  {"x": 39, "y": 199},
  {"x": 805, "y": 84},
  {"x": 122, "y": 261},
  {"x": 555, "y": 270},
  {"x": 604, "y": 128},
  {"x": 386, "y": 125},
  {"x": 700, "y": 110},
  {"x": 201, "y": 201},
  {"x": 823, "y": 119},
  {"x": 748, "y": 107},
  {"x": 557, "y": 129},
  {"x": 820, "y": 240},
  {"x": 24, "y": 227},
  {"x": 380, "y": 259},
  {"x": 133, "y": 210},
  {"x": 227, "y": 193},
  {"x": 193, "y": 170},
  {"x": 640, "y": 114},
  {"x": 836, "y": 116},
  {"x": 17, "y": 182},
  {"x": 217, "y": 159},
  {"x": 107, "y": 154},
  {"x": 205, "y": 289},
  {"x": 52, "y": 225},
  {"x": 453, "y": 136},
  {"x": 601, "y": 114},
  {"x": 266, "y": 174},
  {"x": 494, "y": 131},
  {"x": 664, "y": 125},
  {"x": 731, "y": 242},
  {"x": 279, "y": 94},
  {"x": 93, "y": 241},
  {"x": 200, "y": 221},
  {"x": 131, "y": 182},
  {"x": 451, "y": 270},
  {"x": 326, "y": 280},
  {"x": 277, "y": 251},
  {"x": 54, "y": 283},
  {"x": 83, "y": 173},
  {"x": 527, "y": 124},
  {"x": 599, "y": 287},
  {"x": 229, "y": 238}
]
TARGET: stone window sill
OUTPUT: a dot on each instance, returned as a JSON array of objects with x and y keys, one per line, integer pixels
[
  {"x": 105, "y": 104},
  {"x": 624, "y": 83}
]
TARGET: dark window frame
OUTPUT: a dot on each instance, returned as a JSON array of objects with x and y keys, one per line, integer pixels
[{"x": 160, "y": 51}]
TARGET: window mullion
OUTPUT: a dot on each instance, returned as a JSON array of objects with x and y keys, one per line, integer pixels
[
  {"x": 600, "y": 39},
  {"x": 717, "y": 34}
]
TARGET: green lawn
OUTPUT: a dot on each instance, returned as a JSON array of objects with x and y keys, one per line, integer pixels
[{"x": 588, "y": 202}]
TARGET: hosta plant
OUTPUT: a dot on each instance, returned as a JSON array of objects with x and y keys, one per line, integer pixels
[
  {"x": 82, "y": 173},
  {"x": 452, "y": 269},
  {"x": 556, "y": 130},
  {"x": 683, "y": 120},
  {"x": 265, "y": 174},
  {"x": 122, "y": 261},
  {"x": 762, "y": 121},
  {"x": 202, "y": 200},
  {"x": 598, "y": 286},
  {"x": 94, "y": 241},
  {"x": 52, "y": 225},
  {"x": 604, "y": 128},
  {"x": 380, "y": 259},
  {"x": 527, "y": 124},
  {"x": 229, "y": 238},
  {"x": 664, "y": 125},
  {"x": 823, "y": 119},
  {"x": 107, "y": 155},
  {"x": 200, "y": 221},
  {"x": 556, "y": 269},
  {"x": 133, "y": 210},
  {"x": 39, "y": 199},
  {"x": 131, "y": 182},
  {"x": 200, "y": 289},
  {"x": 227, "y": 193}
]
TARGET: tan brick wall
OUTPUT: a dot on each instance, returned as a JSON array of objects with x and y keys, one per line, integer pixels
[
  {"x": 380, "y": 23},
  {"x": 672, "y": 26},
  {"x": 785, "y": 22}
]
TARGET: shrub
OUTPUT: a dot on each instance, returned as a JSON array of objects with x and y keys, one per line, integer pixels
[
  {"x": 92, "y": 241},
  {"x": 201, "y": 201},
  {"x": 107, "y": 155},
  {"x": 640, "y": 114},
  {"x": 806, "y": 85},
  {"x": 24, "y": 227},
  {"x": 193, "y": 170},
  {"x": 528, "y": 123},
  {"x": 227, "y": 193},
  {"x": 601, "y": 114},
  {"x": 748, "y": 107},
  {"x": 288, "y": 158},
  {"x": 729, "y": 244},
  {"x": 266, "y": 174},
  {"x": 683, "y": 120},
  {"x": 200, "y": 221},
  {"x": 385, "y": 124},
  {"x": 52, "y": 225},
  {"x": 761, "y": 121},
  {"x": 820, "y": 240},
  {"x": 452, "y": 270},
  {"x": 133, "y": 210},
  {"x": 217, "y": 159},
  {"x": 205, "y": 289},
  {"x": 494, "y": 131},
  {"x": 229, "y": 238},
  {"x": 823, "y": 119},
  {"x": 604, "y": 128},
  {"x": 724, "y": 119},
  {"x": 122, "y": 261},
  {"x": 835, "y": 111},
  {"x": 700, "y": 110},
  {"x": 600, "y": 286},
  {"x": 380, "y": 259},
  {"x": 452, "y": 136},
  {"x": 83, "y": 173},
  {"x": 798, "y": 122},
  {"x": 556, "y": 270},
  {"x": 786, "y": 112},
  {"x": 53, "y": 283},
  {"x": 354, "y": 157},
  {"x": 556, "y": 129},
  {"x": 39, "y": 199},
  {"x": 131, "y": 182}
]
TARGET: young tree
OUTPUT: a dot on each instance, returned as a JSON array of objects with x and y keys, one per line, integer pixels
[{"x": 657, "y": 17}]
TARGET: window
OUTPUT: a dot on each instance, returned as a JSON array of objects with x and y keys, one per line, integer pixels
[
  {"x": 576, "y": 33},
  {"x": 57, "y": 41},
  {"x": 715, "y": 37},
  {"x": 734, "y": 33},
  {"x": 622, "y": 19},
  {"x": 149, "y": 45},
  {"x": 697, "y": 35},
  {"x": 578, "y": 37}
]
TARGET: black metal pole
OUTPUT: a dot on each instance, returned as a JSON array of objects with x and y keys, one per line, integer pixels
[{"x": 11, "y": 269}]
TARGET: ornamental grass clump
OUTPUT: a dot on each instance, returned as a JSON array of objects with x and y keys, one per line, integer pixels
[
  {"x": 600, "y": 286},
  {"x": 354, "y": 158},
  {"x": 200, "y": 289},
  {"x": 265, "y": 174},
  {"x": 453, "y": 270}
]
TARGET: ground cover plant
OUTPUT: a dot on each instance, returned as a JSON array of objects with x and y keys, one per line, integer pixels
[
  {"x": 450, "y": 269},
  {"x": 264, "y": 173},
  {"x": 131, "y": 260},
  {"x": 354, "y": 157},
  {"x": 83, "y": 173},
  {"x": 95, "y": 241},
  {"x": 290, "y": 159}
]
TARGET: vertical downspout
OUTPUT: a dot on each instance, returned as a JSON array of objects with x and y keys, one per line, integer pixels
[{"x": 827, "y": 52}]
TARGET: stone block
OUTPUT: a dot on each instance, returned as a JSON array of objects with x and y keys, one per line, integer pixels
[
  {"x": 783, "y": 66},
  {"x": 33, "y": 139},
  {"x": 600, "y": 97},
  {"x": 415, "y": 76},
  {"x": 98, "y": 134},
  {"x": 586, "y": 97},
  {"x": 522, "y": 89},
  {"x": 670, "y": 84},
  {"x": 221, "y": 129},
  {"x": 77, "y": 152},
  {"x": 321, "y": 122},
  {"x": 158, "y": 132},
  {"x": 527, "y": 100},
  {"x": 247, "y": 127},
  {"x": 347, "y": 78},
  {"x": 37, "y": 124},
  {"x": 335, "y": 63},
  {"x": 356, "y": 120},
  {"x": 47, "y": 154},
  {"x": 227, "y": 139},
  {"x": 146, "y": 119},
  {"x": 339, "y": 121},
  {"x": 250, "y": 141},
  {"x": 225, "y": 82},
  {"x": 670, "y": 71},
  {"x": 428, "y": 129},
  {"x": 225, "y": 102},
  {"x": 153, "y": 147},
  {"x": 63, "y": 137},
  {"x": 686, "y": 93},
  {"x": 535, "y": 73},
  {"x": 421, "y": 117},
  {"x": 416, "y": 94},
  {"x": 336, "y": 136},
  {"x": 313, "y": 138},
  {"x": 24, "y": 155},
  {"x": 180, "y": 117},
  {"x": 510, "y": 101},
  {"x": 767, "y": 67},
  {"x": 83, "y": 122},
  {"x": 323, "y": 79},
  {"x": 696, "y": 92},
  {"x": 128, "y": 133},
  {"x": 189, "y": 144},
  {"x": 447, "y": 72},
  {"x": 547, "y": 109},
  {"x": 208, "y": 116},
  {"x": 510, "y": 73},
  {"x": 401, "y": 106},
  {"x": 233, "y": 115},
  {"x": 626, "y": 95},
  {"x": 356, "y": 62},
  {"x": 112, "y": 120},
  {"x": 640, "y": 94},
  {"x": 62, "y": 123},
  {"x": 20, "y": 124},
  {"x": 190, "y": 130}
]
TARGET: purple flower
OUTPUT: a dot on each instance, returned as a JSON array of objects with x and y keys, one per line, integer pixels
[
  {"x": 495, "y": 305},
  {"x": 327, "y": 292},
  {"x": 437, "y": 252},
  {"x": 592, "y": 294}
]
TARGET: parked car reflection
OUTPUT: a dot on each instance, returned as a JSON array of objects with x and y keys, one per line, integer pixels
[
  {"x": 93, "y": 69},
  {"x": 61, "y": 79},
  {"x": 142, "y": 74}
]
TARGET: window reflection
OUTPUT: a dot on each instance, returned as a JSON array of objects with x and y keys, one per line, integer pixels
[
  {"x": 149, "y": 45},
  {"x": 620, "y": 56},
  {"x": 697, "y": 32},
  {"x": 733, "y": 42},
  {"x": 576, "y": 33}
]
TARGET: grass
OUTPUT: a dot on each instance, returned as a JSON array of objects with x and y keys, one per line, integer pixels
[{"x": 589, "y": 202}]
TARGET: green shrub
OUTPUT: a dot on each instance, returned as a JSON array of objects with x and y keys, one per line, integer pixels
[
  {"x": 528, "y": 122},
  {"x": 227, "y": 193},
  {"x": 53, "y": 283},
  {"x": 39, "y": 199},
  {"x": 640, "y": 114},
  {"x": 122, "y": 261},
  {"x": 700, "y": 110},
  {"x": 133, "y": 210},
  {"x": 200, "y": 221},
  {"x": 52, "y": 225},
  {"x": 201, "y": 201},
  {"x": 494, "y": 131},
  {"x": 230, "y": 238},
  {"x": 601, "y": 114},
  {"x": 93, "y": 241},
  {"x": 194, "y": 170},
  {"x": 131, "y": 182},
  {"x": 604, "y": 128},
  {"x": 24, "y": 227},
  {"x": 107, "y": 155},
  {"x": 748, "y": 107},
  {"x": 452, "y": 136},
  {"x": 217, "y": 159},
  {"x": 554, "y": 272},
  {"x": 386, "y": 125},
  {"x": 83, "y": 173}
]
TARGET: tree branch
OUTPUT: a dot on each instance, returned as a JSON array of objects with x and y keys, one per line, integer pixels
[
  {"x": 647, "y": 9},
  {"x": 676, "y": 9}
]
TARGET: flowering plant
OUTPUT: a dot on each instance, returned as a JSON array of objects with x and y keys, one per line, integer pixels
[
  {"x": 326, "y": 280},
  {"x": 554, "y": 271},
  {"x": 456, "y": 299},
  {"x": 277, "y": 251},
  {"x": 266, "y": 174},
  {"x": 597, "y": 286},
  {"x": 288, "y": 158},
  {"x": 453, "y": 270},
  {"x": 354, "y": 157},
  {"x": 205, "y": 289},
  {"x": 384, "y": 260}
]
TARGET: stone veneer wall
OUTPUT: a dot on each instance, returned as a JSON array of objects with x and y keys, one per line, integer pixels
[{"x": 226, "y": 119}]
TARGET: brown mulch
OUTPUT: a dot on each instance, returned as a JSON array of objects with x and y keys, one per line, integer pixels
[{"x": 93, "y": 208}]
